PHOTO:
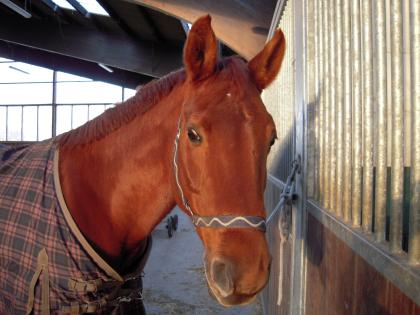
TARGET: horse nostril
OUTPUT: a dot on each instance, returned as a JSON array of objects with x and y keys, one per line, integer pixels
[{"x": 221, "y": 273}]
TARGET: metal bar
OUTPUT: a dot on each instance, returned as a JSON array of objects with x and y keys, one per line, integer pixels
[
  {"x": 332, "y": 105},
  {"x": 340, "y": 107},
  {"x": 326, "y": 156},
  {"x": 357, "y": 115},
  {"x": 407, "y": 82},
  {"x": 45, "y": 82},
  {"x": 54, "y": 105},
  {"x": 347, "y": 187},
  {"x": 71, "y": 116},
  {"x": 310, "y": 96},
  {"x": 321, "y": 83},
  {"x": 13, "y": 6},
  {"x": 367, "y": 68},
  {"x": 389, "y": 84},
  {"x": 37, "y": 123},
  {"x": 7, "y": 122},
  {"x": 21, "y": 123},
  {"x": 414, "y": 225},
  {"x": 51, "y": 5},
  {"x": 397, "y": 161},
  {"x": 49, "y": 104},
  {"x": 81, "y": 9},
  {"x": 318, "y": 93},
  {"x": 380, "y": 98}
]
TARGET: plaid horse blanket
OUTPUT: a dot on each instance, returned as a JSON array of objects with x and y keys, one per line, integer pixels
[{"x": 46, "y": 264}]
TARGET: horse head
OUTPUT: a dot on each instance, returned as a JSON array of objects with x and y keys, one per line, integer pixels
[{"x": 224, "y": 136}]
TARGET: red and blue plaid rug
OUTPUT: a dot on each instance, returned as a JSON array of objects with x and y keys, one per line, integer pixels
[{"x": 44, "y": 266}]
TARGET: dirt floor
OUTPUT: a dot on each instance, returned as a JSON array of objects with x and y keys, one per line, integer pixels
[{"x": 174, "y": 281}]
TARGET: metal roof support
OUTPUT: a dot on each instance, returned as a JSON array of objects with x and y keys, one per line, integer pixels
[
  {"x": 13, "y": 6},
  {"x": 81, "y": 9},
  {"x": 51, "y": 5}
]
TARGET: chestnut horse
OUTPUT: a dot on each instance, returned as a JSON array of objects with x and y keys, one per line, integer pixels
[{"x": 198, "y": 138}]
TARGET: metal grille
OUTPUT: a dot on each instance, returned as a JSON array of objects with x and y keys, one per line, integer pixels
[{"x": 363, "y": 76}]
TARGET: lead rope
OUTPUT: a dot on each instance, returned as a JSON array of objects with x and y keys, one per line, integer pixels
[
  {"x": 287, "y": 195},
  {"x": 288, "y": 192}
]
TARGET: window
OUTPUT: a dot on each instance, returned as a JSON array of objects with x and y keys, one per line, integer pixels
[{"x": 27, "y": 106}]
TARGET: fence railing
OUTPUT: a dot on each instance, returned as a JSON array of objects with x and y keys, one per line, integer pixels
[{"x": 35, "y": 122}]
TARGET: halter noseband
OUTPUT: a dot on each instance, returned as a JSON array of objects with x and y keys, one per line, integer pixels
[{"x": 221, "y": 221}]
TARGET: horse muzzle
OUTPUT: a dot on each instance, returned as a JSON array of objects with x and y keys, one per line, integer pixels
[{"x": 229, "y": 286}]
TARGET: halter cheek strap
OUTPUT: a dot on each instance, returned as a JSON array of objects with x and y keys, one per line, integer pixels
[{"x": 222, "y": 221}]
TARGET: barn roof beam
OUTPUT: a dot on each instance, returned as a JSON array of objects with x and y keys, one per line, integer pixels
[
  {"x": 243, "y": 25},
  {"x": 71, "y": 65},
  {"x": 116, "y": 17},
  {"x": 53, "y": 6},
  {"x": 115, "y": 49},
  {"x": 13, "y": 6},
  {"x": 81, "y": 9}
]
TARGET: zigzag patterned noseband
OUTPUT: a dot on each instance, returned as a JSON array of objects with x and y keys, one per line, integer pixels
[{"x": 221, "y": 221}]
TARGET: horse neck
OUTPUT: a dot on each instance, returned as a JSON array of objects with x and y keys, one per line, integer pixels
[{"x": 127, "y": 185}]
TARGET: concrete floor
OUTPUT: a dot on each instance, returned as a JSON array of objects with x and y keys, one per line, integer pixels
[{"x": 174, "y": 281}]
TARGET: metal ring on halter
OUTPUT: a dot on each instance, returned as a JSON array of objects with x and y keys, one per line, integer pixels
[{"x": 222, "y": 221}]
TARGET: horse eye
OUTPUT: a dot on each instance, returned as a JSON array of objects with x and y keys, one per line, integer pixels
[
  {"x": 194, "y": 136},
  {"x": 273, "y": 141}
]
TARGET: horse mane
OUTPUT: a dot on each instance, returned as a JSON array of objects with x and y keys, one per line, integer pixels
[
  {"x": 145, "y": 98},
  {"x": 124, "y": 112}
]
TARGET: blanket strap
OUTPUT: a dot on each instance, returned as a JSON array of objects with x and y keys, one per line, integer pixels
[{"x": 42, "y": 267}]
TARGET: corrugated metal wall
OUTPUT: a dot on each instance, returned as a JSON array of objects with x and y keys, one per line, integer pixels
[
  {"x": 280, "y": 99},
  {"x": 361, "y": 68},
  {"x": 365, "y": 128}
]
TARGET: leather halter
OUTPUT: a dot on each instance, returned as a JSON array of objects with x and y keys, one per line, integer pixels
[{"x": 221, "y": 221}]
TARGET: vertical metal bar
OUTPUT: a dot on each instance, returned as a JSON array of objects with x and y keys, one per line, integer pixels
[
  {"x": 7, "y": 122},
  {"x": 332, "y": 104},
  {"x": 327, "y": 138},
  {"x": 21, "y": 123},
  {"x": 347, "y": 188},
  {"x": 71, "y": 117},
  {"x": 316, "y": 102},
  {"x": 54, "y": 105},
  {"x": 414, "y": 225},
  {"x": 397, "y": 162},
  {"x": 37, "y": 123},
  {"x": 407, "y": 82},
  {"x": 367, "y": 69},
  {"x": 340, "y": 110},
  {"x": 388, "y": 84},
  {"x": 310, "y": 95},
  {"x": 357, "y": 115},
  {"x": 381, "y": 130},
  {"x": 320, "y": 114}
]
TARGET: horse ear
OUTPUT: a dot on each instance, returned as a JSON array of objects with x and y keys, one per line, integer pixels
[
  {"x": 200, "y": 51},
  {"x": 265, "y": 66}
]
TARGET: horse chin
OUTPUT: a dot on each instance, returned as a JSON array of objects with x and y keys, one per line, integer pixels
[{"x": 231, "y": 300}]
